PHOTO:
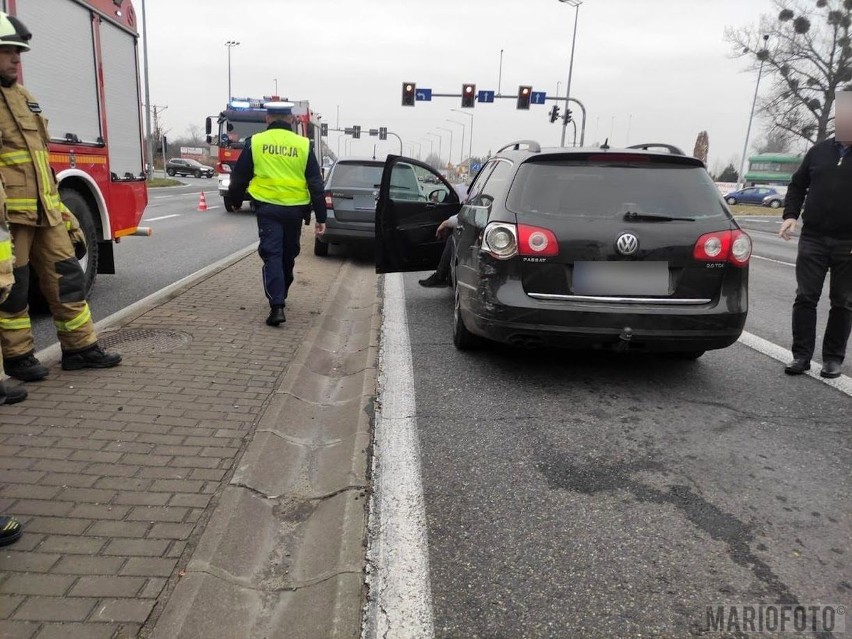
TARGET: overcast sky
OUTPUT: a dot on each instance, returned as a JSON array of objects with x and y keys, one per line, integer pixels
[{"x": 663, "y": 62}]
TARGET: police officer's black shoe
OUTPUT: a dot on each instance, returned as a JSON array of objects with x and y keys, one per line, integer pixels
[
  {"x": 92, "y": 357},
  {"x": 10, "y": 530},
  {"x": 276, "y": 316},
  {"x": 798, "y": 367},
  {"x": 434, "y": 281},
  {"x": 831, "y": 369},
  {"x": 11, "y": 394},
  {"x": 25, "y": 368}
]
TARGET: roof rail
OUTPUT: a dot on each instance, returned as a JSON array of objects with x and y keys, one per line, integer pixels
[
  {"x": 534, "y": 146},
  {"x": 657, "y": 145}
]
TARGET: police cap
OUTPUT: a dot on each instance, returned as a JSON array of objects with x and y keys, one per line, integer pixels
[{"x": 279, "y": 108}]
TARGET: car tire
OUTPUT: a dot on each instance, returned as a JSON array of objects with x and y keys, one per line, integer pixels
[
  {"x": 775, "y": 204},
  {"x": 197, "y": 174},
  {"x": 228, "y": 203},
  {"x": 731, "y": 200},
  {"x": 170, "y": 172},
  {"x": 320, "y": 248},
  {"x": 463, "y": 339}
]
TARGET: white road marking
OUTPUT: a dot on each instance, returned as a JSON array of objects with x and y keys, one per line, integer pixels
[
  {"x": 842, "y": 383},
  {"x": 163, "y": 217},
  {"x": 769, "y": 259},
  {"x": 398, "y": 556}
]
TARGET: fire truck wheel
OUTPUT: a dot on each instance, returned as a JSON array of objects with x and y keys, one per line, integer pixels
[{"x": 79, "y": 206}]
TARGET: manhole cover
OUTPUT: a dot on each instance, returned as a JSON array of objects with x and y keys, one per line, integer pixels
[{"x": 141, "y": 341}]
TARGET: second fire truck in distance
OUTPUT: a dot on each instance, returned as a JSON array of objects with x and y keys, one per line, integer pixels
[{"x": 244, "y": 117}]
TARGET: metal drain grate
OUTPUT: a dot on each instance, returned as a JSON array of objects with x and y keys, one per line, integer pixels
[{"x": 142, "y": 341}]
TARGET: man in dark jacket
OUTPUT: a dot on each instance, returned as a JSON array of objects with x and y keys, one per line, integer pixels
[{"x": 825, "y": 245}]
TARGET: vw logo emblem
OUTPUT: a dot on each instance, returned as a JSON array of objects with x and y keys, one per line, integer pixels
[{"x": 627, "y": 244}]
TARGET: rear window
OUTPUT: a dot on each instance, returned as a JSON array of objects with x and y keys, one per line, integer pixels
[
  {"x": 590, "y": 190},
  {"x": 354, "y": 175}
]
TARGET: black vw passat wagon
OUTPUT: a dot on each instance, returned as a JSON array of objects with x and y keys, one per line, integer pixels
[{"x": 625, "y": 249}]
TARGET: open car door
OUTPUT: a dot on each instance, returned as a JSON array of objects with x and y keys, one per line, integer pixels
[{"x": 413, "y": 201}]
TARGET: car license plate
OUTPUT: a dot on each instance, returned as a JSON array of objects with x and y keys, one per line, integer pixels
[{"x": 621, "y": 278}]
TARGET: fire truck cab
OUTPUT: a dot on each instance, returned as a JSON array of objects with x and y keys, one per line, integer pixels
[
  {"x": 83, "y": 69},
  {"x": 244, "y": 117}
]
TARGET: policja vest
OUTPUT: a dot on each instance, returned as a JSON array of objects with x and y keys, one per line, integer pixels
[{"x": 280, "y": 159}]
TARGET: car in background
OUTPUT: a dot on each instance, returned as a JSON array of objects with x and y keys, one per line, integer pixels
[
  {"x": 351, "y": 191},
  {"x": 624, "y": 250},
  {"x": 776, "y": 200},
  {"x": 180, "y": 166},
  {"x": 751, "y": 195}
]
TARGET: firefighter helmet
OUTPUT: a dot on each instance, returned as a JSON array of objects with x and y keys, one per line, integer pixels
[{"x": 13, "y": 32}]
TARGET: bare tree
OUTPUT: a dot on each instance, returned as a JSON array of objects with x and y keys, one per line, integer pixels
[
  {"x": 774, "y": 140},
  {"x": 195, "y": 136},
  {"x": 702, "y": 147},
  {"x": 808, "y": 58}
]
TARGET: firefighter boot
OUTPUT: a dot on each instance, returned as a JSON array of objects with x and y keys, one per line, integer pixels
[
  {"x": 276, "y": 316},
  {"x": 25, "y": 368},
  {"x": 11, "y": 394},
  {"x": 91, "y": 357}
]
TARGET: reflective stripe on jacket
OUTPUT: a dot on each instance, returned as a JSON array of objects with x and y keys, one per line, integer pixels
[
  {"x": 24, "y": 161},
  {"x": 280, "y": 159}
]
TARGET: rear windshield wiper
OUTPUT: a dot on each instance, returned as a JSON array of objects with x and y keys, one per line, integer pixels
[{"x": 633, "y": 216}]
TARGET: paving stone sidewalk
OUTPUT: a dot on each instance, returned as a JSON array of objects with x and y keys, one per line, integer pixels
[{"x": 115, "y": 473}]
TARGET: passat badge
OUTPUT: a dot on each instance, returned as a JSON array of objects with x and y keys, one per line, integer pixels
[{"x": 627, "y": 244}]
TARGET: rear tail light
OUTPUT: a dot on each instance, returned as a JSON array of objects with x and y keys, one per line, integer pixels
[
  {"x": 537, "y": 242},
  {"x": 500, "y": 240},
  {"x": 223, "y": 168},
  {"x": 733, "y": 247},
  {"x": 329, "y": 201}
]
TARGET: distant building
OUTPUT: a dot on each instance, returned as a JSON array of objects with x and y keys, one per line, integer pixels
[{"x": 772, "y": 168}]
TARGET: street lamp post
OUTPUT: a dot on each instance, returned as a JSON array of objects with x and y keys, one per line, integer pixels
[
  {"x": 762, "y": 56},
  {"x": 440, "y": 147},
  {"x": 450, "y": 154},
  {"x": 419, "y": 148},
  {"x": 461, "y": 146},
  {"x": 150, "y": 144},
  {"x": 470, "y": 142},
  {"x": 576, "y": 4},
  {"x": 230, "y": 44},
  {"x": 431, "y": 145}
]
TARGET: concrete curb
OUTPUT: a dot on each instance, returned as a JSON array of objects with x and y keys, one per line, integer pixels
[
  {"x": 53, "y": 353},
  {"x": 283, "y": 554}
]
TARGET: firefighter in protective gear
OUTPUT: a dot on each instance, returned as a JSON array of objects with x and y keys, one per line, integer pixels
[
  {"x": 8, "y": 394},
  {"x": 280, "y": 173},
  {"x": 40, "y": 225}
]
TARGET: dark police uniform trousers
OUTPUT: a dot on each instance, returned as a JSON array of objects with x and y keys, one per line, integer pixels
[{"x": 279, "y": 229}]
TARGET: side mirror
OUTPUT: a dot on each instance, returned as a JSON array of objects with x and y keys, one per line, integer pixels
[
  {"x": 438, "y": 195},
  {"x": 208, "y": 127},
  {"x": 209, "y": 139}
]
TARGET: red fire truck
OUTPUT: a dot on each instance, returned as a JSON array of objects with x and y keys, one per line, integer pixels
[
  {"x": 83, "y": 69},
  {"x": 244, "y": 117}
]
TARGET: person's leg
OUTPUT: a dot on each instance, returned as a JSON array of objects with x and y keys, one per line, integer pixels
[
  {"x": 10, "y": 530},
  {"x": 16, "y": 336},
  {"x": 292, "y": 248},
  {"x": 271, "y": 251},
  {"x": 812, "y": 266},
  {"x": 441, "y": 276},
  {"x": 840, "y": 292}
]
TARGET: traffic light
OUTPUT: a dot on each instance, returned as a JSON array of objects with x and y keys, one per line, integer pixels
[
  {"x": 356, "y": 132},
  {"x": 524, "y": 96},
  {"x": 383, "y": 133},
  {"x": 569, "y": 116},
  {"x": 324, "y": 129},
  {"x": 408, "y": 91},
  {"x": 554, "y": 114},
  {"x": 468, "y": 96}
]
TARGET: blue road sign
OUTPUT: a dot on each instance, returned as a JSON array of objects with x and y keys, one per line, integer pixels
[
  {"x": 538, "y": 97},
  {"x": 475, "y": 167},
  {"x": 486, "y": 96},
  {"x": 423, "y": 95}
]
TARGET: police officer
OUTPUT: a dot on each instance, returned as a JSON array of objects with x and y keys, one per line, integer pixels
[
  {"x": 280, "y": 173},
  {"x": 40, "y": 225}
]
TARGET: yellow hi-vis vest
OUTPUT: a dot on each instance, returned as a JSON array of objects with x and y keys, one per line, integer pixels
[{"x": 280, "y": 159}]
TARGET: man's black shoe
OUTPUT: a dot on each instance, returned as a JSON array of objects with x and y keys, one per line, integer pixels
[
  {"x": 276, "y": 316},
  {"x": 433, "y": 281},
  {"x": 92, "y": 357},
  {"x": 25, "y": 368},
  {"x": 831, "y": 369},
  {"x": 11, "y": 394},
  {"x": 798, "y": 367},
  {"x": 10, "y": 530}
]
